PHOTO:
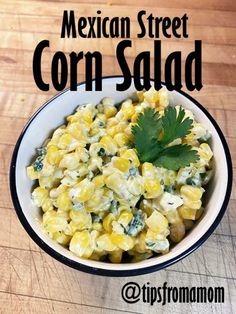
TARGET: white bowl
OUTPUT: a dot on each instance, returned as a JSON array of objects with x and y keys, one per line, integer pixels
[{"x": 50, "y": 116}]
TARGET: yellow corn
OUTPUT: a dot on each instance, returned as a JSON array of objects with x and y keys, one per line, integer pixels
[
  {"x": 152, "y": 188},
  {"x": 131, "y": 155},
  {"x": 61, "y": 237},
  {"x": 116, "y": 256},
  {"x": 53, "y": 155},
  {"x": 135, "y": 117},
  {"x": 177, "y": 232},
  {"x": 109, "y": 144},
  {"x": 39, "y": 195},
  {"x": 81, "y": 244},
  {"x": 148, "y": 170},
  {"x": 88, "y": 117},
  {"x": 86, "y": 190},
  {"x": 140, "y": 246},
  {"x": 121, "y": 139},
  {"x": 65, "y": 140},
  {"x": 97, "y": 226},
  {"x": 76, "y": 131},
  {"x": 99, "y": 181},
  {"x": 157, "y": 222},
  {"x": 110, "y": 111},
  {"x": 187, "y": 213},
  {"x": 128, "y": 109},
  {"x": 122, "y": 241},
  {"x": 104, "y": 242},
  {"x": 64, "y": 202},
  {"x": 125, "y": 218},
  {"x": 107, "y": 222},
  {"x": 31, "y": 173},
  {"x": 69, "y": 161},
  {"x": 121, "y": 163},
  {"x": 191, "y": 192},
  {"x": 81, "y": 219},
  {"x": 205, "y": 152}
]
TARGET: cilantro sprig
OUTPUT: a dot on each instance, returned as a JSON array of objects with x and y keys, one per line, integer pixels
[{"x": 153, "y": 134}]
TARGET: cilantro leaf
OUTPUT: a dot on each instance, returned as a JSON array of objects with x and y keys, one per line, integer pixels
[
  {"x": 175, "y": 126},
  {"x": 153, "y": 134},
  {"x": 147, "y": 130},
  {"x": 175, "y": 157}
]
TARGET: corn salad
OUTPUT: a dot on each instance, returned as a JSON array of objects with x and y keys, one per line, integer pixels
[{"x": 97, "y": 198}]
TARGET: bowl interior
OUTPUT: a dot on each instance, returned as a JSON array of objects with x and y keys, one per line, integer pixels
[{"x": 52, "y": 115}]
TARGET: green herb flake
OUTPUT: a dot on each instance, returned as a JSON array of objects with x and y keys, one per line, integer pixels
[{"x": 101, "y": 152}]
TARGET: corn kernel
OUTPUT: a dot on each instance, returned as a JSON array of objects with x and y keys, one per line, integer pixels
[
  {"x": 140, "y": 246},
  {"x": 177, "y": 232},
  {"x": 97, "y": 226},
  {"x": 64, "y": 202},
  {"x": 104, "y": 242},
  {"x": 124, "y": 242},
  {"x": 88, "y": 117},
  {"x": 205, "y": 153},
  {"x": 186, "y": 212},
  {"x": 31, "y": 173},
  {"x": 107, "y": 222},
  {"x": 76, "y": 131},
  {"x": 52, "y": 222},
  {"x": 135, "y": 117},
  {"x": 61, "y": 237},
  {"x": 81, "y": 218},
  {"x": 128, "y": 109},
  {"x": 99, "y": 181},
  {"x": 85, "y": 190},
  {"x": 131, "y": 155},
  {"x": 109, "y": 144},
  {"x": 82, "y": 153},
  {"x": 148, "y": 170},
  {"x": 116, "y": 256},
  {"x": 121, "y": 139},
  {"x": 53, "y": 155},
  {"x": 191, "y": 192},
  {"x": 157, "y": 222},
  {"x": 152, "y": 187},
  {"x": 39, "y": 195},
  {"x": 121, "y": 163},
  {"x": 81, "y": 244},
  {"x": 110, "y": 111},
  {"x": 125, "y": 218},
  {"x": 47, "y": 205},
  {"x": 199, "y": 213},
  {"x": 69, "y": 161},
  {"x": 192, "y": 204}
]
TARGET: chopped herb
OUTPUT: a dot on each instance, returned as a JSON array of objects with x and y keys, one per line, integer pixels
[
  {"x": 153, "y": 134},
  {"x": 78, "y": 206},
  {"x": 133, "y": 171},
  {"x": 203, "y": 175},
  {"x": 38, "y": 163},
  {"x": 169, "y": 188},
  {"x": 101, "y": 152},
  {"x": 96, "y": 218},
  {"x": 136, "y": 224},
  {"x": 205, "y": 137},
  {"x": 41, "y": 151},
  {"x": 206, "y": 176},
  {"x": 101, "y": 124},
  {"x": 114, "y": 207}
]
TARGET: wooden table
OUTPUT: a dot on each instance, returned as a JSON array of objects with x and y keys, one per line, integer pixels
[{"x": 30, "y": 280}]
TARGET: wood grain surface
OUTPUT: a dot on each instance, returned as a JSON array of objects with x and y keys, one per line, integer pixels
[{"x": 30, "y": 280}]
